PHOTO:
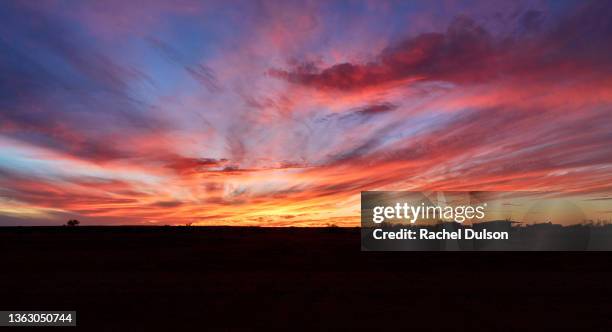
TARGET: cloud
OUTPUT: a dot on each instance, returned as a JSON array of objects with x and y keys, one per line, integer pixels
[
  {"x": 121, "y": 118},
  {"x": 198, "y": 71},
  {"x": 62, "y": 91},
  {"x": 167, "y": 204},
  {"x": 190, "y": 165},
  {"x": 376, "y": 109},
  {"x": 467, "y": 53},
  {"x": 431, "y": 56}
]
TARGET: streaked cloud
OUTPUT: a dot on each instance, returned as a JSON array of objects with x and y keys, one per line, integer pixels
[{"x": 280, "y": 113}]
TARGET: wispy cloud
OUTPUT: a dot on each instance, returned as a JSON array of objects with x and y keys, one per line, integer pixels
[{"x": 280, "y": 113}]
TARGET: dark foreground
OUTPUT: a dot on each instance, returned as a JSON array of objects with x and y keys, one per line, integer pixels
[{"x": 192, "y": 278}]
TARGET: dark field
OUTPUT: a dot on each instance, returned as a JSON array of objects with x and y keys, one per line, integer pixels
[{"x": 197, "y": 278}]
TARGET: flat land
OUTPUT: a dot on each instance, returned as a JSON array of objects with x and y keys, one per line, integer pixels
[{"x": 199, "y": 278}]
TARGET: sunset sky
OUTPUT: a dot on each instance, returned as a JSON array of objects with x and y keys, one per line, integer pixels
[{"x": 278, "y": 113}]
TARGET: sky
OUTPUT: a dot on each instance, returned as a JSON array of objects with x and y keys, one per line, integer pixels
[{"x": 279, "y": 113}]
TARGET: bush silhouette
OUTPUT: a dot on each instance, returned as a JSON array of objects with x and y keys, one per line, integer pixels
[{"x": 73, "y": 222}]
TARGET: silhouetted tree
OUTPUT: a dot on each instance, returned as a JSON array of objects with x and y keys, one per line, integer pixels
[{"x": 73, "y": 222}]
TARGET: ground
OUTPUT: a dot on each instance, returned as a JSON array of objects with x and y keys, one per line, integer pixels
[{"x": 198, "y": 278}]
